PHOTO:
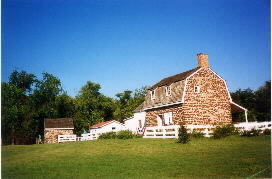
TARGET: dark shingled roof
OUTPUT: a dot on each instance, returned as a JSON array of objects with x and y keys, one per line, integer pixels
[
  {"x": 58, "y": 123},
  {"x": 139, "y": 108},
  {"x": 172, "y": 79}
]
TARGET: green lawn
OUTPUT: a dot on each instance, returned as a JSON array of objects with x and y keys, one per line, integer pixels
[{"x": 149, "y": 158}]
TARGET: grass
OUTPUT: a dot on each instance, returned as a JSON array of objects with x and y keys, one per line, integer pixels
[{"x": 146, "y": 158}]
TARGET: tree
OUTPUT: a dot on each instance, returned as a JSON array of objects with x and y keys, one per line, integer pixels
[
  {"x": 10, "y": 111},
  {"x": 64, "y": 105},
  {"x": 22, "y": 80},
  {"x": 43, "y": 100},
  {"x": 127, "y": 102},
  {"x": 263, "y": 102},
  {"x": 91, "y": 107},
  {"x": 247, "y": 99}
]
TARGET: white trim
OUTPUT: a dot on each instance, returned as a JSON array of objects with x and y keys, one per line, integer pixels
[
  {"x": 58, "y": 128},
  {"x": 166, "y": 90},
  {"x": 163, "y": 105},
  {"x": 107, "y": 124},
  {"x": 246, "y": 116},
  {"x": 185, "y": 86},
  {"x": 153, "y": 97},
  {"x": 238, "y": 105},
  {"x": 197, "y": 89},
  {"x": 224, "y": 83}
]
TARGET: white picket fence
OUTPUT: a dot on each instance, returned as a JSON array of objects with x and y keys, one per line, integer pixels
[
  {"x": 172, "y": 131},
  {"x": 66, "y": 138},
  {"x": 74, "y": 138},
  {"x": 207, "y": 130},
  {"x": 250, "y": 125}
]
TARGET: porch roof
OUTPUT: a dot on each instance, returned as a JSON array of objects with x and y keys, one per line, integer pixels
[{"x": 236, "y": 107}]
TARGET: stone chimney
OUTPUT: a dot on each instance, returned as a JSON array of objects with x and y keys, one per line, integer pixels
[{"x": 202, "y": 60}]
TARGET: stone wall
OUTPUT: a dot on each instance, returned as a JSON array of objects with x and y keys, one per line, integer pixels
[
  {"x": 51, "y": 136},
  {"x": 210, "y": 106},
  {"x": 151, "y": 115},
  {"x": 161, "y": 98}
]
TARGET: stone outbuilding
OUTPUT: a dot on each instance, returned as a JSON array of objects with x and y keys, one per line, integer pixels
[{"x": 57, "y": 126}]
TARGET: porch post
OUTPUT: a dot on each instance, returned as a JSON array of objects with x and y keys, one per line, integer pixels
[{"x": 246, "y": 116}]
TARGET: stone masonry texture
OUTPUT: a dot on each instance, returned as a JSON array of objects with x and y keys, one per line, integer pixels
[{"x": 51, "y": 136}]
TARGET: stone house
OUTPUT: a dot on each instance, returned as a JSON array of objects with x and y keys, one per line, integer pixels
[
  {"x": 195, "y": 97},
  {"x": 57, "y": 126}
]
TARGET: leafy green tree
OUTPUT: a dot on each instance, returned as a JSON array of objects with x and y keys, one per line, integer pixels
[
  {"x": 10, "y": 111},
  {"x": 91, "y": 107},
  {"x": 22, "y": 80},
  {"x": 263, "y": 102},
  {"x": 43, "y": 100},
  {"x": 127, "y": 102},
  {"x": 64, "y": 105},
  {"x": 247, "y": 99}
]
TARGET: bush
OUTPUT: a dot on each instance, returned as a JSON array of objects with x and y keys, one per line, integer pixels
[
  {"x": 124, "y": 135},
  {"x": 183, "y": 136},
  {"x": 267, "y": 132},
  {"x": 251, "y": 133},
  {"x": 119, "y": 135},
  {"x": 224, "y": 131},
  {"x": 197, "y": 134},
  {"x": 108, "y": 135}
]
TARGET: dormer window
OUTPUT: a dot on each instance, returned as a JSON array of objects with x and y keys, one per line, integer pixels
[
  {"x": 168, "y": 90},
  {"x": 152, "y": 94},
  {"x": 197, "y": 89}
]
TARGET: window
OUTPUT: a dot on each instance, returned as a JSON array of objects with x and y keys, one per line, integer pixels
[
  {"x": 197, "y": 89},
  {"x": 168, "y": 120},
  {"x": 168, "y": 90},
  {"x": 152, "y": 94},
  {"x": 160, "y": 120},
  {"x": 113, "y": 128},
  {"x": 165, "y": 119}
]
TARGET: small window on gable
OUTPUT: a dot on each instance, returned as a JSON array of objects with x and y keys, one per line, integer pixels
[
  {"x": 197, "y": 89},
  {"x": 168, "y": 90},
  {"x": 152, "y": 94},
  {"x": 113, "y": 128}
]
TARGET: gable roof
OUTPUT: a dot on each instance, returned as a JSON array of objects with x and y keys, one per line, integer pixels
[
  {"x": 171, "y": 79},
  {"x": 104, "y": 123},
  {"x": 140, "y": 108},
  {"x": 58, "y": 123}
]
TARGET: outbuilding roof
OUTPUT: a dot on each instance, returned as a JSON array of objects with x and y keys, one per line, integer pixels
[
  {"x": 104, "y": 123},
  {"x": 58, "y": 123},
  {"x": 172, "y": 79}
]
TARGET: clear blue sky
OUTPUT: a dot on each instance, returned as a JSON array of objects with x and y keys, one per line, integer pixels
[{"x": 126, "y": 44}]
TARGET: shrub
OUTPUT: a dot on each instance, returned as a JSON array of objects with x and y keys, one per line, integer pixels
[
  {"x": 124, "y": 135},
  {"x": 267, "y": 132},
  {"x": 183, "y": 136},
  {"x": 119, "y": 135},
  {"x": 251, "y": 133},
  {"x": 197, "y": 134},
  {"x": 224, "y": 131},
  {"x": 108, "y": 135}
]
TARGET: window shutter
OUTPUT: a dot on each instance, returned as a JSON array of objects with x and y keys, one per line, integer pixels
[
  {"x": 170, "y": 118},
  {"x": 166, "y": 118}
]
